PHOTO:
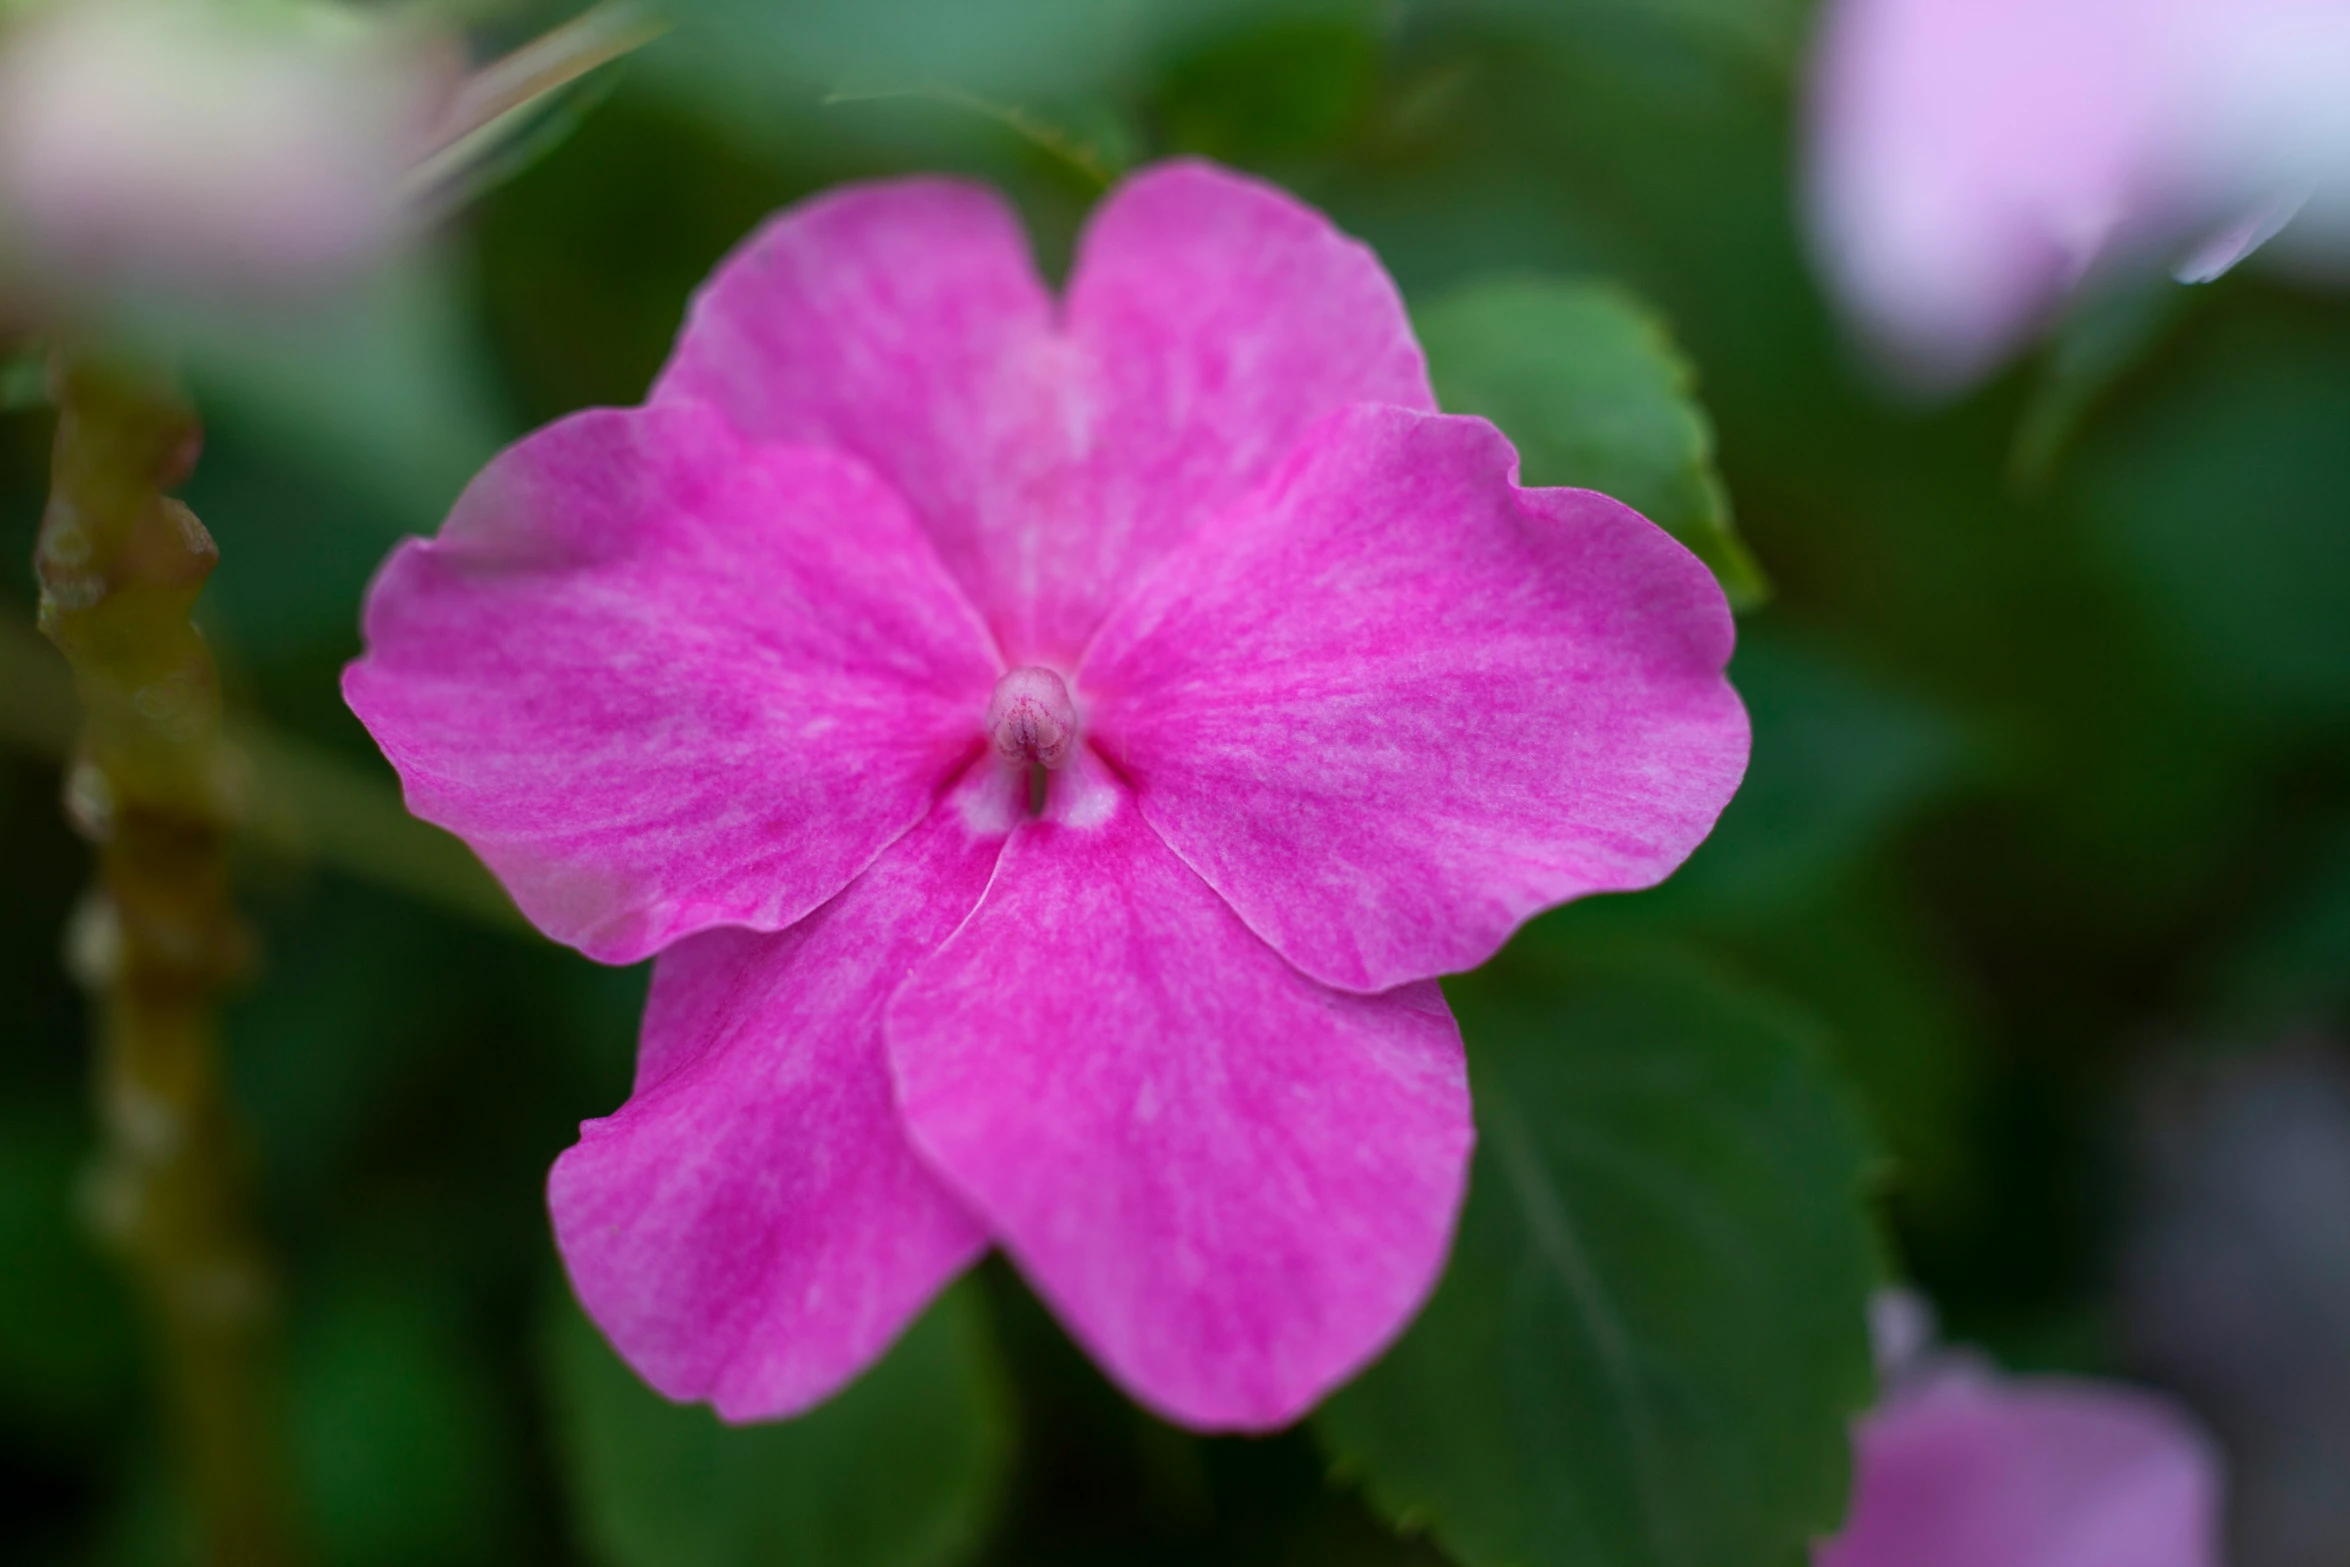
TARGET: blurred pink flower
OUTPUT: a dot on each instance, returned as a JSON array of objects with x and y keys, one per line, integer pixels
[
  {"x": 182, "y": 146},
  {"x": 1962, "y": 1467},
  {"x": 1972, "y": 161},
  {"x": 1319, "y": 704}
]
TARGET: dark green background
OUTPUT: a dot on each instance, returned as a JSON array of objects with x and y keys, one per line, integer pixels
[{"x": 2049, "y": 812}]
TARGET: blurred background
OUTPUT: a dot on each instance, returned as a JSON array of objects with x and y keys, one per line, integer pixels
[{"x": 2046, "y": 841}]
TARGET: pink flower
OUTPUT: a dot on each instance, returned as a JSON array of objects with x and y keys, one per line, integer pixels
[
  {"x": 1973, "y": 160},
  {"x": 1315, "y": 704},
  {"x": 208, "y": 150},
  {"x": 1961, "y": 1467}
]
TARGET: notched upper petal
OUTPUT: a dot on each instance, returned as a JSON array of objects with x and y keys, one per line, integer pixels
[
  {"x": 1054, "y": 453},
  {"x": 1216, "y": 318}
]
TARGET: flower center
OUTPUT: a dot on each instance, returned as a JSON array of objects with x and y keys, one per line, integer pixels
[{"x": 1031, "y": 718}]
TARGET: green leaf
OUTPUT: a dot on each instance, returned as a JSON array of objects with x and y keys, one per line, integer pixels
[
  {"x": 1587, "y": 383},
  {"x": 1651, "y": 1337},
  {"x": 903, "y": 1469}
]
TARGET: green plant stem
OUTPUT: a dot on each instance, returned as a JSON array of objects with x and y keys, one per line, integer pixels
[{"x": 153, "y": 784}]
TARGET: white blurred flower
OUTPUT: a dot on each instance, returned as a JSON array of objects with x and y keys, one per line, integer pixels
[
  {"x": 193, "y": 148},
  {"x": 1972, "y": 161},
  {"x": 2270, "y": 116}
]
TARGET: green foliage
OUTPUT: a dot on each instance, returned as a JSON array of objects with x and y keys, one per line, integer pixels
[
  {"x": 1841, "y": 762},
  {"x": 2294, "y": 964},
  {"x": 65, "y": 1330},
  {"x": 2047, "y": 775},
  {"x": 384, "y": 1387},
  {"x": 382, "y": 384},
  {"x": 2226, "y": 496},
  {"x": 901, "y": 1470},
  {"x": 24, "y": 380},
  {"x": 1586, "y": 381},
  {"x": 1649, "y": 1342},
  {"x": 1790, "y": 887},
  {"x": 1010, "y": 47},
  {"x": 1270, "y": 94}
]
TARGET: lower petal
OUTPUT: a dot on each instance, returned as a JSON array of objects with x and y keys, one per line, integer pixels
[
  {"x": 752, "y": 1228},
  {"x": 1233, "y": 1184}
]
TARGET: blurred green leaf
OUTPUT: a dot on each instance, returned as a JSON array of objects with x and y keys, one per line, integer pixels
[
  {"x": 1586, "y": 381},
  {"x": 1790, "y": 887},
  {"x": 67, "y": 1354},
  {"x": 1840, "y": 761},
  {"x": 1094, "y": 162},
  {"x": 2293, "y": 965},
  {"x": 24, "y": 379},
  {"x": 1276, "y": 92},
  {"x": 2223, "y": 489},
  {"x": 1903, "y": 1025},
  {"x": 903, "y": 1469},
  {"x": 1651, "y": 1337},
  {"x": 403, "y": 1454},
  {"x": 985, "y": 46},
  {"x": 383, "y": 384},
  {"x": 1770, "y": 32}
]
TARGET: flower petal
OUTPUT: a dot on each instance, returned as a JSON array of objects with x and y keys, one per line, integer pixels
[
  {"x": 1393, "y": 705},
  {"x": 1233, "y": 1184},
  {"x": 661, "y": 680},
  {"x": 902, "y": 322},
  {"x": 1967, "y": 1471},
  {"x": 1216, "y": 319},
  {"x": 1210, "y": 320},
  {"x": 752, "y": 1228}
]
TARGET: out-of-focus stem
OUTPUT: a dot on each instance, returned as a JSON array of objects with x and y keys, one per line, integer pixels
[
  {"x": 301, "y": 804},
  {"x": 152, "y": 785},
  {"x": 479, "y": 114}
]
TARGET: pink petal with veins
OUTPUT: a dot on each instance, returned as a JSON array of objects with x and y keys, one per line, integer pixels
[
  {"x": 1315, "y": 699},
  {"x": 1392, "y": 704},
  {"x": 1233, "y": 1184},
  {"x": 1054, "y": 454},
  {"x": 661, "y": 680},
  {"x": 752, "y": 1228}
]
